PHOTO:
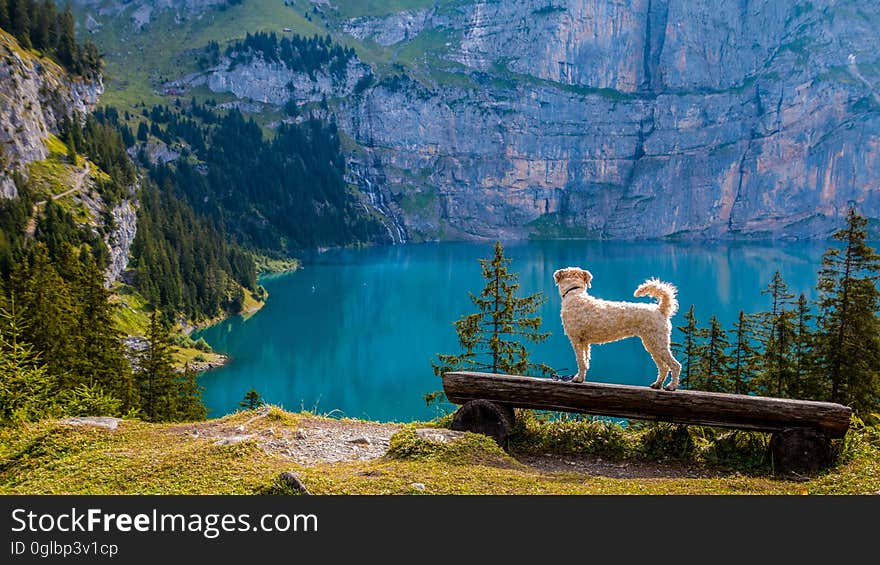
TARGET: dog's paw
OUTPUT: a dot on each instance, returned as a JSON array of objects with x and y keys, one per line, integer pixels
[
  {"x": 577, "y": 379},
  {"x": 655, "y": 386},
  {"x": 670, "y": 387}
]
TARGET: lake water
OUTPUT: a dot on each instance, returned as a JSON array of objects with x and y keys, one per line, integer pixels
[{"x": 353, "y": 332}]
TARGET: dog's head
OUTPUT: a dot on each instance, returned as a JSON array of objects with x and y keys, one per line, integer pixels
[{"x": 570, "y": 277}]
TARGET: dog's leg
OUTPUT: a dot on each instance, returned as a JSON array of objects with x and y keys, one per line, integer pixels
[
  {"x": 657, "y": 356},
  {"x": 582, "y": 354},
  {"x": 674, "y": 367}
]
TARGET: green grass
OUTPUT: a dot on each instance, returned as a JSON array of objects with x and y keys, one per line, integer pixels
[
  {"x": 551, "y": 226},
  {"x": 141, "y": 458},
  {"x": 54, "y": 174},
  {"x": 418, "y": 202},
  {"x": 130, "y": 312},
  {"x": 136, "y": 62}
]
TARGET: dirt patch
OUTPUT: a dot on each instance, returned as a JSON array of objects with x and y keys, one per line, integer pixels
[{"x": 600, "y": 467}]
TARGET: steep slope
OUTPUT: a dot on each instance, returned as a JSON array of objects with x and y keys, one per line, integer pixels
[
  {"x": 35, "y": 95},
  {"x": 650, "y": 118}
]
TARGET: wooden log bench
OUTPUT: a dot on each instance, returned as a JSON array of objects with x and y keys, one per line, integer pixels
[{"x": 802, "y": 430}]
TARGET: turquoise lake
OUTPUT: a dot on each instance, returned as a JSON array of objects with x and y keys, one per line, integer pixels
[{"x": 353, "y": 332}]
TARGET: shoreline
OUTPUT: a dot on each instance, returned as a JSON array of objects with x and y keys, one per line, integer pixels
[{"x": 252, "y": 306}]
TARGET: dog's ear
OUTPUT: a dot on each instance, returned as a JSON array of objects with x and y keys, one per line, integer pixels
[
  {"x": 557, "y": 275},
  {"x": 587, "y": 276}
]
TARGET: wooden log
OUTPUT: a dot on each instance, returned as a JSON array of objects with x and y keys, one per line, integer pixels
[
  {"x": 644, "y": 403},
  {"x": 484, "y": 417}
]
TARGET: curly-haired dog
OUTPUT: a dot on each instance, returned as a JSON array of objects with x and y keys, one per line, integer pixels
[{"x": 588, "y": 320}]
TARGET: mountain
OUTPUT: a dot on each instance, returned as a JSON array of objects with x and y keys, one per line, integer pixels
[{"x": 640, "y": 119}]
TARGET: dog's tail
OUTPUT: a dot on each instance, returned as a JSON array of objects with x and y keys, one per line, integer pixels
[{"x": 662, "y": 291}]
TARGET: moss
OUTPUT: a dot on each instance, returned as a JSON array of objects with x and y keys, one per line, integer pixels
[{"x": 472, "y": 448}]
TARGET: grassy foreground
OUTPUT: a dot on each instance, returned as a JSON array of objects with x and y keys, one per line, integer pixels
[{"x": 52, "y": 457}]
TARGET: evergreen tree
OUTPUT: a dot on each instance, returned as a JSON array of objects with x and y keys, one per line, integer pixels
[
  {"x": 101, "y": 361},
  {"x": 143, "y": 132},
  {"x": 745, "y": 358},
  {"x": 805, "y": 384},
  {"x": 252, "y": 400},
  {"x": 776, "y": 335},
  {"x": 4, "y": 15},
  {"x": 20, "y": 21},
  {"x": 690, "y": 350},
  {"x": 190, "y": 407},
  {"x": 715, "y": 364},
  {"x": 492, "y": 338},
  {"x": 71, "y": 148},
  {"x": 26, "y": 389},
  {"x": 848, "y": 343},
  {"x": 67, "y": 48},
  {"x": 46, "y": 300},
  {"x": 155, "y": 374}
]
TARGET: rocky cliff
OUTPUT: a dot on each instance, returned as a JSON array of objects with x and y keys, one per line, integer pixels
[
  {"x": 35, "y": 94},
  {"x": 596, "y": 118},
  {"x": 647, "y": 118}
]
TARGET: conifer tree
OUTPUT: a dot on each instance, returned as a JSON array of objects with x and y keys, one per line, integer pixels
[
  {"x": 4, "y": 14},
  {"x": 776, "y": 335},
  {"x": 690, "y": 349},
  {"x": 492, "y": 339},
  {"x": 745, "y": 358},
  {"x": 252, "y": 400},
  {"x": 805, "y": 384},
  {"x": 26, "y": 389},
  {"x": 190, "y": 407},
  {"x": 67, "y": 48},
  {"x": 20, "y": 22},
  {"x": 715, "y": 364},
  {"x": 848, "y": 343},
  {"x": 101, "y": 360},
  {"x": 156, "y": 374},
  {"x": 71, "y": 148},
  {"x": 45, "y": 298}
]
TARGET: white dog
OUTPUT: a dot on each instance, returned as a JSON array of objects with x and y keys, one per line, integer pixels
[{"x": 589, "y": 320}]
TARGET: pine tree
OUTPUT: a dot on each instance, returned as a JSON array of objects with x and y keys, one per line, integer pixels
[
  {"x": 20, "y": 22},
  {"x": 4, "y": 14},
  {"x": 71, "y": 148},
  {"x": 492, "y": 338},
  {"x": 156, "y": 374},
  {"x": 690, "y": 349},
  {"x": 27, "y": 390},
  {"x": 101, "y": 361},
  {"x": 190, "y": 407},
  {"x": 806, "y": 385},
  {"x": 776, "y": 335},
  {"x": 45, "y": 299},
  {"x": 848, "y": 343},
  {"x": 252, "y": 400},
  {"x": 745, "y": 358},
  {"x": 67, "y": 49},
  {"x": 715, "y": 365}
]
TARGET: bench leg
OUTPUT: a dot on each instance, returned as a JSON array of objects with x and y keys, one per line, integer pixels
[
  {"x": 801, "y": 450},
  {"x": 487, "y": 418}
]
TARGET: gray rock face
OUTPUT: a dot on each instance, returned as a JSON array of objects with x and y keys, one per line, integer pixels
[
  {"x": 648, "y": 118},
  {"x": 392, "y": 29},
  {"x": 274, "y": 83},
  {"x": 35, "y": 95},
  {"x": 120, "y": 238}
]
